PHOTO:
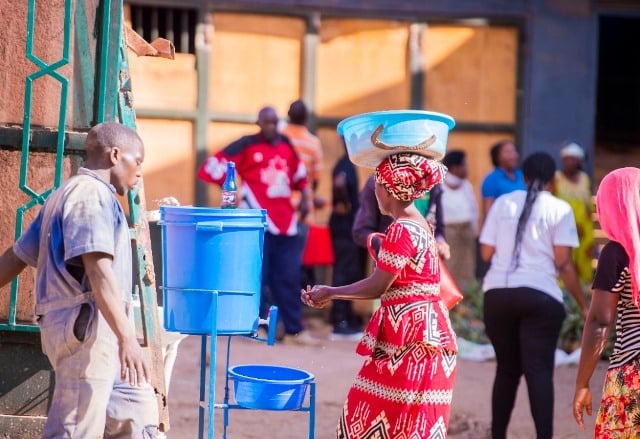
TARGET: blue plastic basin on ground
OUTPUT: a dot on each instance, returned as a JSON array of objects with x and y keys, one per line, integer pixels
[
  {"x": 206, "y": 250},
  {"x": 267, "y": 387}
]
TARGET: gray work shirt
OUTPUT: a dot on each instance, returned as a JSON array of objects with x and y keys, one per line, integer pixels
[{"x": 82, "y": 216}]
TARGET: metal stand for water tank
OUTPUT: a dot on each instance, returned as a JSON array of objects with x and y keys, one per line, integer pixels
[{"x": 207, "y": 398}]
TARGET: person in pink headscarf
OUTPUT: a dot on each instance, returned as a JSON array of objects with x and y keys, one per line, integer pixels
[
  {"x": 615, "y": 298},
  {"x": 405, "y": 385}
]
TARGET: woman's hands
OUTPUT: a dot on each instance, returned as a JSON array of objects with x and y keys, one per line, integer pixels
[
  {"x": 371, "y": 287},
  {"x": 581, "y": 403},
  {"x": 317, "y": 296},
  {"x": 595, "y": 337}
]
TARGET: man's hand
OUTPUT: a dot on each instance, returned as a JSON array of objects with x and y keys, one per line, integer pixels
[
  {"x": 106, "y": 292},
  {"x": 306, "y": 204},
  {"x": 133, "y": 364},
  {"x": 319, "y": 202},
  {"x": 306, "y": 209}
]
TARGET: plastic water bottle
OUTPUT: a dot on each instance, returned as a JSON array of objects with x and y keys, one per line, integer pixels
[{"x": 229, "y": 189}]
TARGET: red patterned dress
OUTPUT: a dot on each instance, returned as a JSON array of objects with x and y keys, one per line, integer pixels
[{"x": 404, "y": 388}]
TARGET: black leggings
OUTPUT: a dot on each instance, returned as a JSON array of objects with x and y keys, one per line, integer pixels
[{"x": 523, "y": 325}]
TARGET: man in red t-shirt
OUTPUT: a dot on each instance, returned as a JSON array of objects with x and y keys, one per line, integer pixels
[{"x": 271, "y": 170}]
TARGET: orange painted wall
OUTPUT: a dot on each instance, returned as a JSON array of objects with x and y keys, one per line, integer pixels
[
  {"x": 15, "y": 66},
  {"x": 40, "y": 178}
]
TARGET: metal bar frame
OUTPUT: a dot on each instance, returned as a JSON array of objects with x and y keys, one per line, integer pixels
[{"x": 44, "y": 69}]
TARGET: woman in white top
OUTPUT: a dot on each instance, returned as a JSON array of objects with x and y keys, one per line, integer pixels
[
  {"x": 460, "y": 215},
  {"x": 528, "y": 237}
]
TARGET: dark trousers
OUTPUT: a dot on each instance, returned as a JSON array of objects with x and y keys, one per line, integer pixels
[
  {"x": 348, "y": 267},
  {"x": 523, "y": 325},
  {"x": 281, "y": 280}
]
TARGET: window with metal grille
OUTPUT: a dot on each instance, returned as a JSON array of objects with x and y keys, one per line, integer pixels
[{"x": 177, "y": 25}]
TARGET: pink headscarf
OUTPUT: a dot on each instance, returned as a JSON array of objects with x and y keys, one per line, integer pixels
[
  {"x": 408, "y": 176},
  {"x": 618, "y": 206}
]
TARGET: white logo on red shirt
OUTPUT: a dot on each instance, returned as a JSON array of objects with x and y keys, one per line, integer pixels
[
  {"x": 216, "y": 168},
  {"x": 276, "y": 178}
]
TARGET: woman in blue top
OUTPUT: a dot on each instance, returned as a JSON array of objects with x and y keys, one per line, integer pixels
[{"x": 505, "y": 177}]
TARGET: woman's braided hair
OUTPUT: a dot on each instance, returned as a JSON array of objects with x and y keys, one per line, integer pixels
[{"x": 538, "y": 169}]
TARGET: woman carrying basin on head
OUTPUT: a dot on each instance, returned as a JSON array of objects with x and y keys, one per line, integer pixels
[{"x": 404, "y": 387}]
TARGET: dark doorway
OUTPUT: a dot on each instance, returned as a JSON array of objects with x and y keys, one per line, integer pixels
[{"x": 618, "y": 104}]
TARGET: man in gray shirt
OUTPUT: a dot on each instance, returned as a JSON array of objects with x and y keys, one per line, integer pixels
[{"x": 80, "y": 246}]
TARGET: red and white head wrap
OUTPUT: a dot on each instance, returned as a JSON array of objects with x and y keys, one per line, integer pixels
[{"x": 407, "y": 176}]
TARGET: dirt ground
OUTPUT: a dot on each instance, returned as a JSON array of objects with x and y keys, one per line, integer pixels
[{"x": 334, "y": 365}]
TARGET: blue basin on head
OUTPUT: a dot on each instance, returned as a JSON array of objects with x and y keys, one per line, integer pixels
[{"x": 371, "y": 137}]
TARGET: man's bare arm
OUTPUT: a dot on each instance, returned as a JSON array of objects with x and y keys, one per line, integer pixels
[{"x": 10, "y": 266}]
